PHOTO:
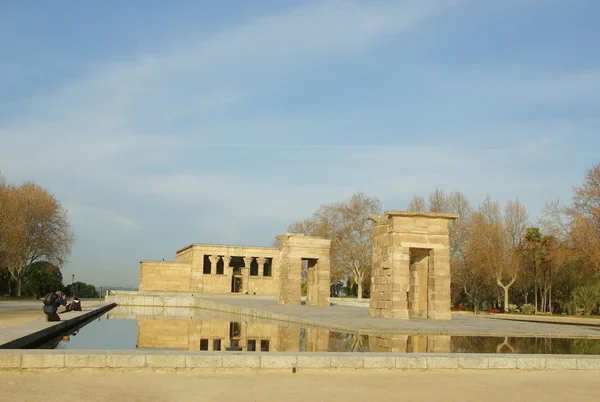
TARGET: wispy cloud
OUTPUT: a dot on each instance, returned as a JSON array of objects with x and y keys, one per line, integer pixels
[
  {"x": 86, "y": 217},
  {"x": 126, "y": 111}
]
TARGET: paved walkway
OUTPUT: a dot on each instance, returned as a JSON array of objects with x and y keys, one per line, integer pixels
[
  {"x": 19, "y": 318},
  {"x": 463, "y": 386},
  {"x": 358, "y": 319},
  {"x": 16, "y": 312}
]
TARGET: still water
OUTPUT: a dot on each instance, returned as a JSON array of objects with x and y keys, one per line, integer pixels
[{"x": 220, "y": 332}]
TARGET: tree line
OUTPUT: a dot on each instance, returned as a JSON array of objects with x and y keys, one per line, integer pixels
[
  {"x": 500, "y": 258},
  {"x": 35, "y": 239}
]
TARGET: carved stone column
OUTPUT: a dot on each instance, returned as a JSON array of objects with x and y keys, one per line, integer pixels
[
  {"x": 246, "y": 273},
  {"x": 226, "y": 260},
  {"x": 261, "y": 265},
  {"x": 214, "y": 259}
]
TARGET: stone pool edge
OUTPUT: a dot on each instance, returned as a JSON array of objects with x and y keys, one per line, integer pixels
[
  {"x": 24, "y": 360},
  {"x": 35, "y": 331}
]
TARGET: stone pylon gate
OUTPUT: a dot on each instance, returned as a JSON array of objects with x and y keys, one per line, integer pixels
[
  {"x": 297, "y": 250},
  {"x": 411, "y": 265}
]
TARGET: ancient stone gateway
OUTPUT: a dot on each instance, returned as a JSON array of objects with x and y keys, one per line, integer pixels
[
  {"x": 411, "y": 268},
  {"x": 309, "y": 254}
]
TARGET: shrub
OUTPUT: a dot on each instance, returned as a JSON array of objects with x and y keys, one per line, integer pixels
[
  {"x": 584, "y": 299},
  {"x": 528, "y": 308},
  {"x": 512, "y": 308}
]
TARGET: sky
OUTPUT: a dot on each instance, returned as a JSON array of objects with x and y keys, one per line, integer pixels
[{"x": 161, "y": 124}]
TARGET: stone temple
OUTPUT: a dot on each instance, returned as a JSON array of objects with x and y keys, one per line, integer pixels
[
  {"x": 410, "y": 275},
  {"x": 205, "y": 268}
]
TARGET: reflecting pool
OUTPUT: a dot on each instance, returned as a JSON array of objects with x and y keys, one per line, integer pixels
[{"x": 202, "y": 330}]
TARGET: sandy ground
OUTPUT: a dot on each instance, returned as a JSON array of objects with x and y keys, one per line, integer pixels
[{"x": 464, "y": 386}]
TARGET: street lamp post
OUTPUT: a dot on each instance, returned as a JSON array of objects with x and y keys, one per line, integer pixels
[{"x": 73, "y": 285}]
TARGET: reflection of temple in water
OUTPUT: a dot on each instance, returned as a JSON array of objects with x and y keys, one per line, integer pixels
[
  {"x": 217, "y": 335},
  {"x": 410, "y": 343},
  {"x": 221, "y": 335}
]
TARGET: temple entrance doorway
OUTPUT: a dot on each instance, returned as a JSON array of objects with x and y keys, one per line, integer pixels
[
  {"x": 418, "y": 294},
  {"x": 236, "y": 284}
]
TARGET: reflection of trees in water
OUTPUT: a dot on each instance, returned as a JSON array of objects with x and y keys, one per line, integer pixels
[
  {"x": 557, "y": 346},
  {"x": 504, "y": 345},
  {"x": 302, "y": 339},
  {"x": 475, "y": 344},
  {"x": 346, "y": 342},
  {"x": 522, "y": 345}
]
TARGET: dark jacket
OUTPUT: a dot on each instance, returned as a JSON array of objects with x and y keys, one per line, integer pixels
[{"x": 52, "y": 308}]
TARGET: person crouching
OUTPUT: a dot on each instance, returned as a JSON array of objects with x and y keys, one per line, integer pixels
[{"x": 51, "y": 303}]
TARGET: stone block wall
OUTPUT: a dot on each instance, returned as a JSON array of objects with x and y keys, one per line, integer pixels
[
  {"x": 411, "y": 272},
  {"x": 165, "y": 276}
]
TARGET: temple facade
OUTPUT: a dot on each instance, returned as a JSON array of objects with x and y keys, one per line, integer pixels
[{"x": 220, "y": 269}]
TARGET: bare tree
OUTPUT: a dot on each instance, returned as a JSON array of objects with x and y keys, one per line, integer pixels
[
  {"x": 7, "y": 228},
  {"x": 497, "y": 240},
  {"x": 345, "y": 223},
  {"x": 4, "y": 214},
  {"x": 439, "y": 201},
  {"x": 417, "y": 204},
  {"x": 554, "y": 220},
  {"x": 354, "y": 242},
  {"x": 459, "y": 229},
  {"x": 584, "y": 216},
  {"x": 454, "y": 203},
  {"x": 37, "y": 228},
  {"x": 462, "y": 273}
]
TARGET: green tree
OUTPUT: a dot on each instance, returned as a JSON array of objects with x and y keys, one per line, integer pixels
[
  {"x": 81, "y": 289},
  {"x": 585, "y": 298},
  {"x": 40, "y": 278}
]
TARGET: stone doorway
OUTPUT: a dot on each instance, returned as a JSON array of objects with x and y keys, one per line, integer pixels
[
  {"x": 237, "y": 283},
  {"x": 309, "y": 268},
  {"x": 418, "y": 292}
]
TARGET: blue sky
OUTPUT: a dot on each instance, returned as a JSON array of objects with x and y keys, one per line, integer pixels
[{"x": 160, "y": 124}]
